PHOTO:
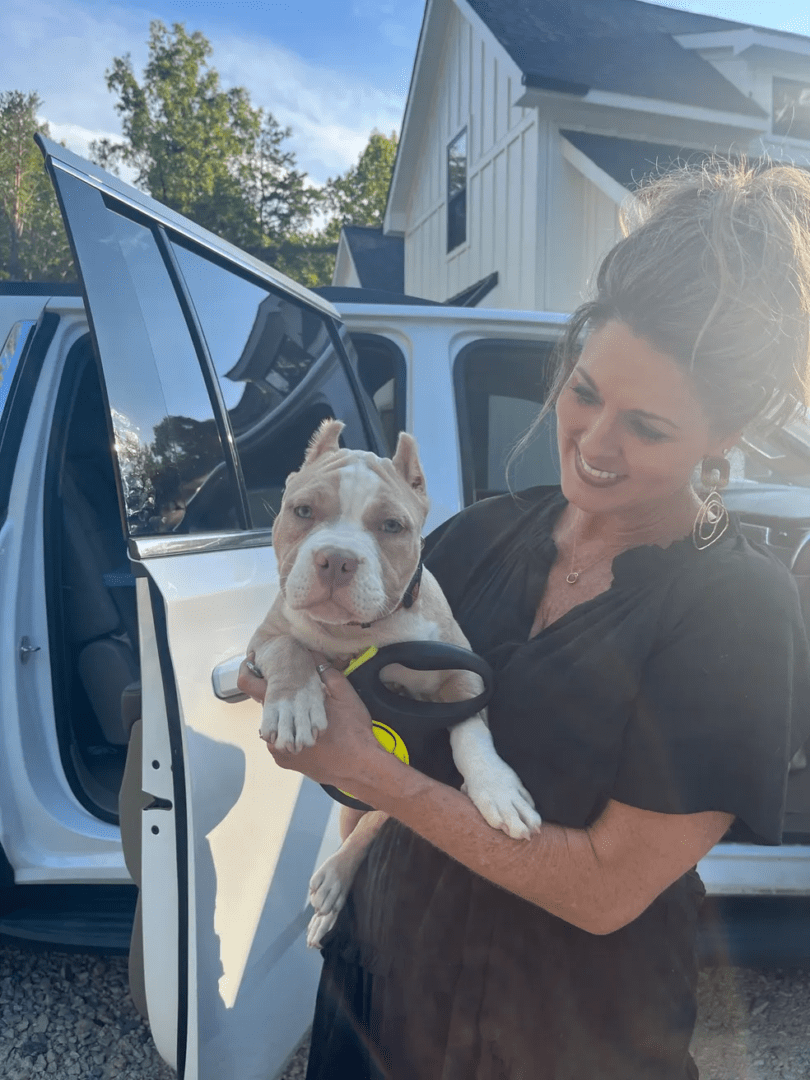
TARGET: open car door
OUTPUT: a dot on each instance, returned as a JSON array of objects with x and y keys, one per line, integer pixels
[{"x": 215, "y": 372}]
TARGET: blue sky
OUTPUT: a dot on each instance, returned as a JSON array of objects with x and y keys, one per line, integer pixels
[{"x": 332, "y": 70}]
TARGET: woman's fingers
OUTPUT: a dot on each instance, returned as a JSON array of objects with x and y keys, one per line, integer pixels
[{"x": 250, "y": 683}]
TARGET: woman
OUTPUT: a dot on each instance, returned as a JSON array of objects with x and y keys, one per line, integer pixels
[{"x": 651, "y": 679}]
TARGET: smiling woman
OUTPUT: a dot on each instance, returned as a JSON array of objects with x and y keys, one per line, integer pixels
[{"x": 639, "y": 702}]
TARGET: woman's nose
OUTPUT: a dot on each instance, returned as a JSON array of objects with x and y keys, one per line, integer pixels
[{"x": 600, "y": 439}]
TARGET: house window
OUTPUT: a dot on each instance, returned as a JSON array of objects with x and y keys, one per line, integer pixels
[
  {"x": 791, "y": 108},
  {"x": 457, "y": 191}
]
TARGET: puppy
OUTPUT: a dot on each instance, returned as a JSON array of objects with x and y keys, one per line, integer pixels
[{"x": 348, "y": 543}]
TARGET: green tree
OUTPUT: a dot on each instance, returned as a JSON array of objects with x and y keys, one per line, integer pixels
[
  {"x": 206, "y": 152},
  {"x": 33, "y": 243},
  {"x": 360, "y": 195}
]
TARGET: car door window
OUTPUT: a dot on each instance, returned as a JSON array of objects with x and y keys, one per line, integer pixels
[
  {"x": 500, "y": 388},
  {"x": 176, "y": 476},
  {"x": 279, "y": 369},
  {"x": 10, "y": 356}
]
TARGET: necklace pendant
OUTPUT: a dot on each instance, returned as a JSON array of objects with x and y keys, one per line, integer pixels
[{"x": 572, "y": 577}]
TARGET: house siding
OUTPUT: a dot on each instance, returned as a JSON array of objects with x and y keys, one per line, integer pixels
[
  {"x": 530, "y": 216},
  {"x": 582, "y": 224},
  {"x": 476, "y": 89}
]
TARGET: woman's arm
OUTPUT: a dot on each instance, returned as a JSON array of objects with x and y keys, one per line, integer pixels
[{"x": 598, "y": 879}]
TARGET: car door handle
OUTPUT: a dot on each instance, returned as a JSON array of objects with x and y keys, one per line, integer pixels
[
  {"x": 223, "y": 679},
  {"x": 27, "y": 650}
]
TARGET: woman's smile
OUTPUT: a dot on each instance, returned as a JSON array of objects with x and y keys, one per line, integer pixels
[
  {"x": 591, "y": 475},
  {"x": 631, "y": 429}
]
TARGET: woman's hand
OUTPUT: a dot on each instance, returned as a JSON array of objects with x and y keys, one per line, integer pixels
[
  {"x": 346, "y": 749},
  {"x": 249, "y": 683}
]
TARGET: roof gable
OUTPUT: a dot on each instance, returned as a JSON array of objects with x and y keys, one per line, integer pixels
[
  {"x": 621, "y": 46},
  {"x": 379, "y": 260}
]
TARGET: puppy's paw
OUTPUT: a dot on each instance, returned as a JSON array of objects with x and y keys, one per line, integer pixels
[
  {"x": 503, "y": 801},
  {"x": 293, "y": 723},
  {"x": 319, "y": 927},
  {"x": 329, "y": 885}
]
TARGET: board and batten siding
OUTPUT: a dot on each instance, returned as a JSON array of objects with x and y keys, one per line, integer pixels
[
  {"x": 476, "y": 89},
  {"x": 582, "y": 225},
  {"x": 531, "y": 216}
]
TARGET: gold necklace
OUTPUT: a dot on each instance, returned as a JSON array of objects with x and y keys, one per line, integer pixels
[{"x": 573, "y": 576}]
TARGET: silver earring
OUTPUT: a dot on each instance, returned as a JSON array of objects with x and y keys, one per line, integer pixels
[{"x": 712, "y": 516}]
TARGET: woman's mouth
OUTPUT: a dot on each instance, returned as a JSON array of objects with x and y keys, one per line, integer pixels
[{"x": 591, "y": 475}]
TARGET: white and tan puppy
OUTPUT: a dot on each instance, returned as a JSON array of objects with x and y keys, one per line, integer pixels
[{"x": 348, "y": 543}]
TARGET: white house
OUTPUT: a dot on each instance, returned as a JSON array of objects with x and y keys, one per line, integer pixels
[{"x": 529, "y": 121}]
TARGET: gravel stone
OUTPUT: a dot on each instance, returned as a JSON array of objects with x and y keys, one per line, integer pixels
[{"x": 72, "y": 1016}]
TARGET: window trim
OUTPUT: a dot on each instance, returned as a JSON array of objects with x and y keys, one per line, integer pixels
[{"x": 453, "y": 199}]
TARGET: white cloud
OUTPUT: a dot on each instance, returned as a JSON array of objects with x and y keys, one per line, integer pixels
[
  {"x": 61, "y": 50},
  {"x": 331, "y": 113}
]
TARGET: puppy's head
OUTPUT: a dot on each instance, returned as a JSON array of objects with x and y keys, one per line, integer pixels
[{"x": 348, "y": 534}]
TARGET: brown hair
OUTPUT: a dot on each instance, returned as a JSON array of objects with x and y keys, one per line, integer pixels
[{"x": 714, "y": 271}]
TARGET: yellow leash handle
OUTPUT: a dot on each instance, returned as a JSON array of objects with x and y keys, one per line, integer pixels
[{"x": 361, "y": 659}]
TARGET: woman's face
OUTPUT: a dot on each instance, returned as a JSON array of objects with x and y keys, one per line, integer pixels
[{"x": 630, "y": 427}]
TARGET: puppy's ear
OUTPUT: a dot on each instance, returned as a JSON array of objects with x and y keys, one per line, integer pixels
[
  {"x": 325, "y": 440},
  {"x": 406, "y": 462}
]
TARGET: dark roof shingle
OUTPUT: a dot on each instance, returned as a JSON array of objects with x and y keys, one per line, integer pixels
[
  {"x": 629, "y": 161},
  {"x": 379, "y": 260},
  {"x": 622, "y": 46}
]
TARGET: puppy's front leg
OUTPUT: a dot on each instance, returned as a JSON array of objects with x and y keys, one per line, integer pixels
[
  {"x": 293, "y": 711},
  {"x": 490, "y": 783}
]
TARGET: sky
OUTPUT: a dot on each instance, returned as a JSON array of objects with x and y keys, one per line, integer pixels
[{"x": 332, "y": 70}]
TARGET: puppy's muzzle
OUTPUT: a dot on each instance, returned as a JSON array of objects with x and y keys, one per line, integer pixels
[{"x": 335, "y": 568}]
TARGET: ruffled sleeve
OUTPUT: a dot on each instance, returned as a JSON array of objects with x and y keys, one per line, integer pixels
[{"x": 724, "y": 697}]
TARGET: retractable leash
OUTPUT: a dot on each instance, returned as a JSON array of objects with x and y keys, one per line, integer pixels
[{"x": 401, "y": 723}]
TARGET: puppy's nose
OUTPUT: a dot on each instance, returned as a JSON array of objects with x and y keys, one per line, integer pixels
[{"x": 335, "y": 568}]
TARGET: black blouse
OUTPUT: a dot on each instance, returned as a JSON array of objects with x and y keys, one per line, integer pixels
[{"x": 684, "y": 687}]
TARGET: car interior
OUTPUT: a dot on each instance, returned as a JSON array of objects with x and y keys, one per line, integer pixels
[{"x": 90, "y": 593}]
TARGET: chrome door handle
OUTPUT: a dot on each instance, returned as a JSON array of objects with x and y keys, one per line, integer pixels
[
  {"x": 26, "y": 649},
  {"x": 223, "y": 679}
]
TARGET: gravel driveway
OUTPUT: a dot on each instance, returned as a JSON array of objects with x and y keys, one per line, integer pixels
[{"x": 70, "y": 1016}]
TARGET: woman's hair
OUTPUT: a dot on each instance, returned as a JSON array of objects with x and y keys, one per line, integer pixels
[{"x": 714, "y": 271}]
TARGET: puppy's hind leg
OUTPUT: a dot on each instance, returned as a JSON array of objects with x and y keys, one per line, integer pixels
[{"x": 331, "y": 882}]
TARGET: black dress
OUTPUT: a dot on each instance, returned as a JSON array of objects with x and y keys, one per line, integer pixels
[{"x": 674, "y": 691}]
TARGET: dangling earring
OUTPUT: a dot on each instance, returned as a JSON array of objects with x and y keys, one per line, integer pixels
[{"x": 712, "y": 517}]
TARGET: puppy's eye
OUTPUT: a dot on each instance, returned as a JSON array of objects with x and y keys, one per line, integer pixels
[
  {"x": 391, "y": 525},
  {"x": 303, "y": 511}
]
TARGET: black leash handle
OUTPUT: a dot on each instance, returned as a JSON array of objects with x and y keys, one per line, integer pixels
[
  {"x": 391, "y": 708},
  {"x": 407, "y": 718}
]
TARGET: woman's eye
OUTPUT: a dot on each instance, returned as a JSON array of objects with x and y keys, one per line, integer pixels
[
  {"x": 303, "y": 511},
  {"x": 648, "y": 433},
  {"x": 391, "y": 525},
  {"x": 585, "y": 394}
]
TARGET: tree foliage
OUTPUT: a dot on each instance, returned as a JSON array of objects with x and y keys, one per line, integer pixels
[
  {"x": 33, "y": 243},
  {"x": 202, "y": 150},
  {"x": 360, "y": 195}
]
